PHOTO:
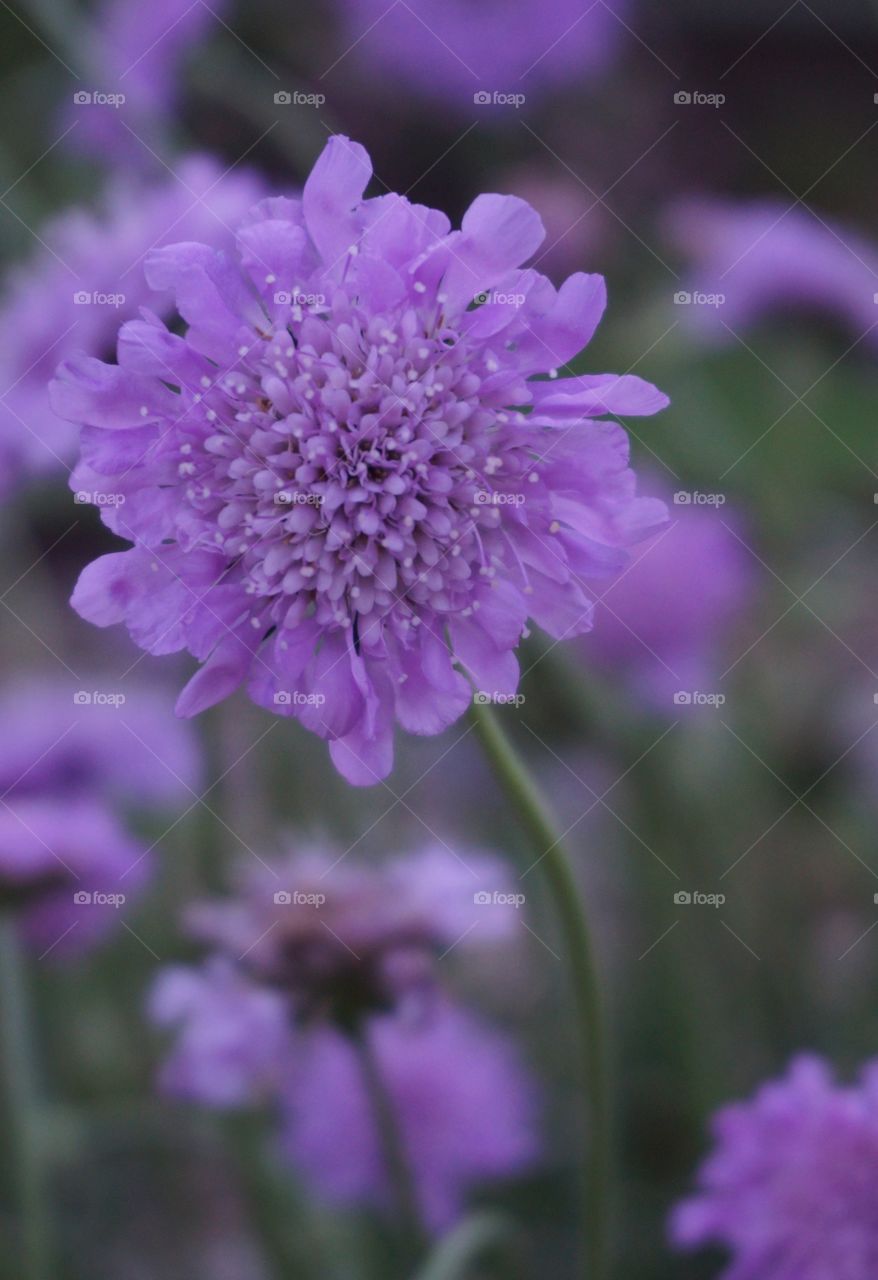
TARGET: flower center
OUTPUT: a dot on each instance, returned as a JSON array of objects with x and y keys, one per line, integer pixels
[{"x": 348, "y": 461}]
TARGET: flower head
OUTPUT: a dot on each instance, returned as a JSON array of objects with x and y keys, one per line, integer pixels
[
  {"x": 314, "y": 957},
  {"x": 790, "y": 1186},
  {"x": 462, "y": 54},
  {"x": 761, "y": 257},
  {"x": 72, "y": 295},
  {"x": 72, "y": 762},
  {"x": 134, "y": 51},
  {"x": 344, "y": 482},
  {"x": 345, "y": 941},
  {"x": 664, "y": 621}
]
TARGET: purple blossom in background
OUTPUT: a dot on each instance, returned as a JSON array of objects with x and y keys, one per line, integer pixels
[
  {"x": 790, "y": 1185},
  {"x": 344, "y": 939},
  {"x": 343, "y": 498},
  {"x": 68, "y": 868},
  {"x": 465, "y": 1107},
  {"x": 761, "y": 257},
  {"x": 63, "y": 741},
  {"x": 69, "y": 760},
  {"x": 462, "y": 53},
  {"x": 73, "y": 295},
  {"x": 664, "y": 622},
  {"x": 314, "y": 951},
  {"x": 136, "y": 51}
]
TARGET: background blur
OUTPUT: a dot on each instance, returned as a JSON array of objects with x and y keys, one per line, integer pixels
[{"x": 717, "y": 165}]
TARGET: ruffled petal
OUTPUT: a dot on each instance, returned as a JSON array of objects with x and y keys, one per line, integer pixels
[
  {"x": 498, "y": 233},
  {"x": 331, "y": 195}
]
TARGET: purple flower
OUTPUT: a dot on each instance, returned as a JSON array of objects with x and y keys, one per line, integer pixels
[
  {"x": 463, "y": 53},
  {"x": 232, "y": 1038},
  {"x": 464, "y": 1103},
  {"x": 70, "y": 761},
  {"x": 312, "y": 954},
  {"x": 61, "y": 741},
  {"x": 762, "y": 257},
  {"x": 133, "y": 52},
  {"x": 74, "y": 293},
  {"x": 664, "y": 622},
  {"x": 790, "y": 1185},
  {"x": 68, "y": 869},
  {"x": 345, "y": 481},
  {"x": 345, "y": 940}
]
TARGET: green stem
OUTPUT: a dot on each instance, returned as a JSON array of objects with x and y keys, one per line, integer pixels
[
  {"x": 526, "y": 799},
  {"x": 23, "y": 1128},
  {"x": 399, "y": 1171},
  {"x": 476, "y": 1237}
]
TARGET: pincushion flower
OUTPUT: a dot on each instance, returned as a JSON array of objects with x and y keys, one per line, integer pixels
[
  {"x": 73, "y": 763},
  {"x": 763, "y": 258},
  {"x": 664, "y": 623},
  {"x": 135, "y": 52},
  {"x": 73, "y": 294},
  {"x": 790, "y": 1186},
  {"x": 346, "y": 481},
  {"x": 455, "y": 50},
  {"x": 314, "y": 957}
]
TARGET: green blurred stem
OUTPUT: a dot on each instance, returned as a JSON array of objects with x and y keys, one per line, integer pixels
[
  {"x": 398, "y": 1168},
  {"x": 21, "y": 1105},
  {"x": 553, "y": 860},
  {"x": 476, "y": 1237}
]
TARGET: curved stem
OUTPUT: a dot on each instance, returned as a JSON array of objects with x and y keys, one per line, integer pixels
[
  {"x": 476, "y": 1237},
  {"x": 525, "y": 797},
  {"x": 24, "y": 1139},
  {"x": 399, "y": 1172}
]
